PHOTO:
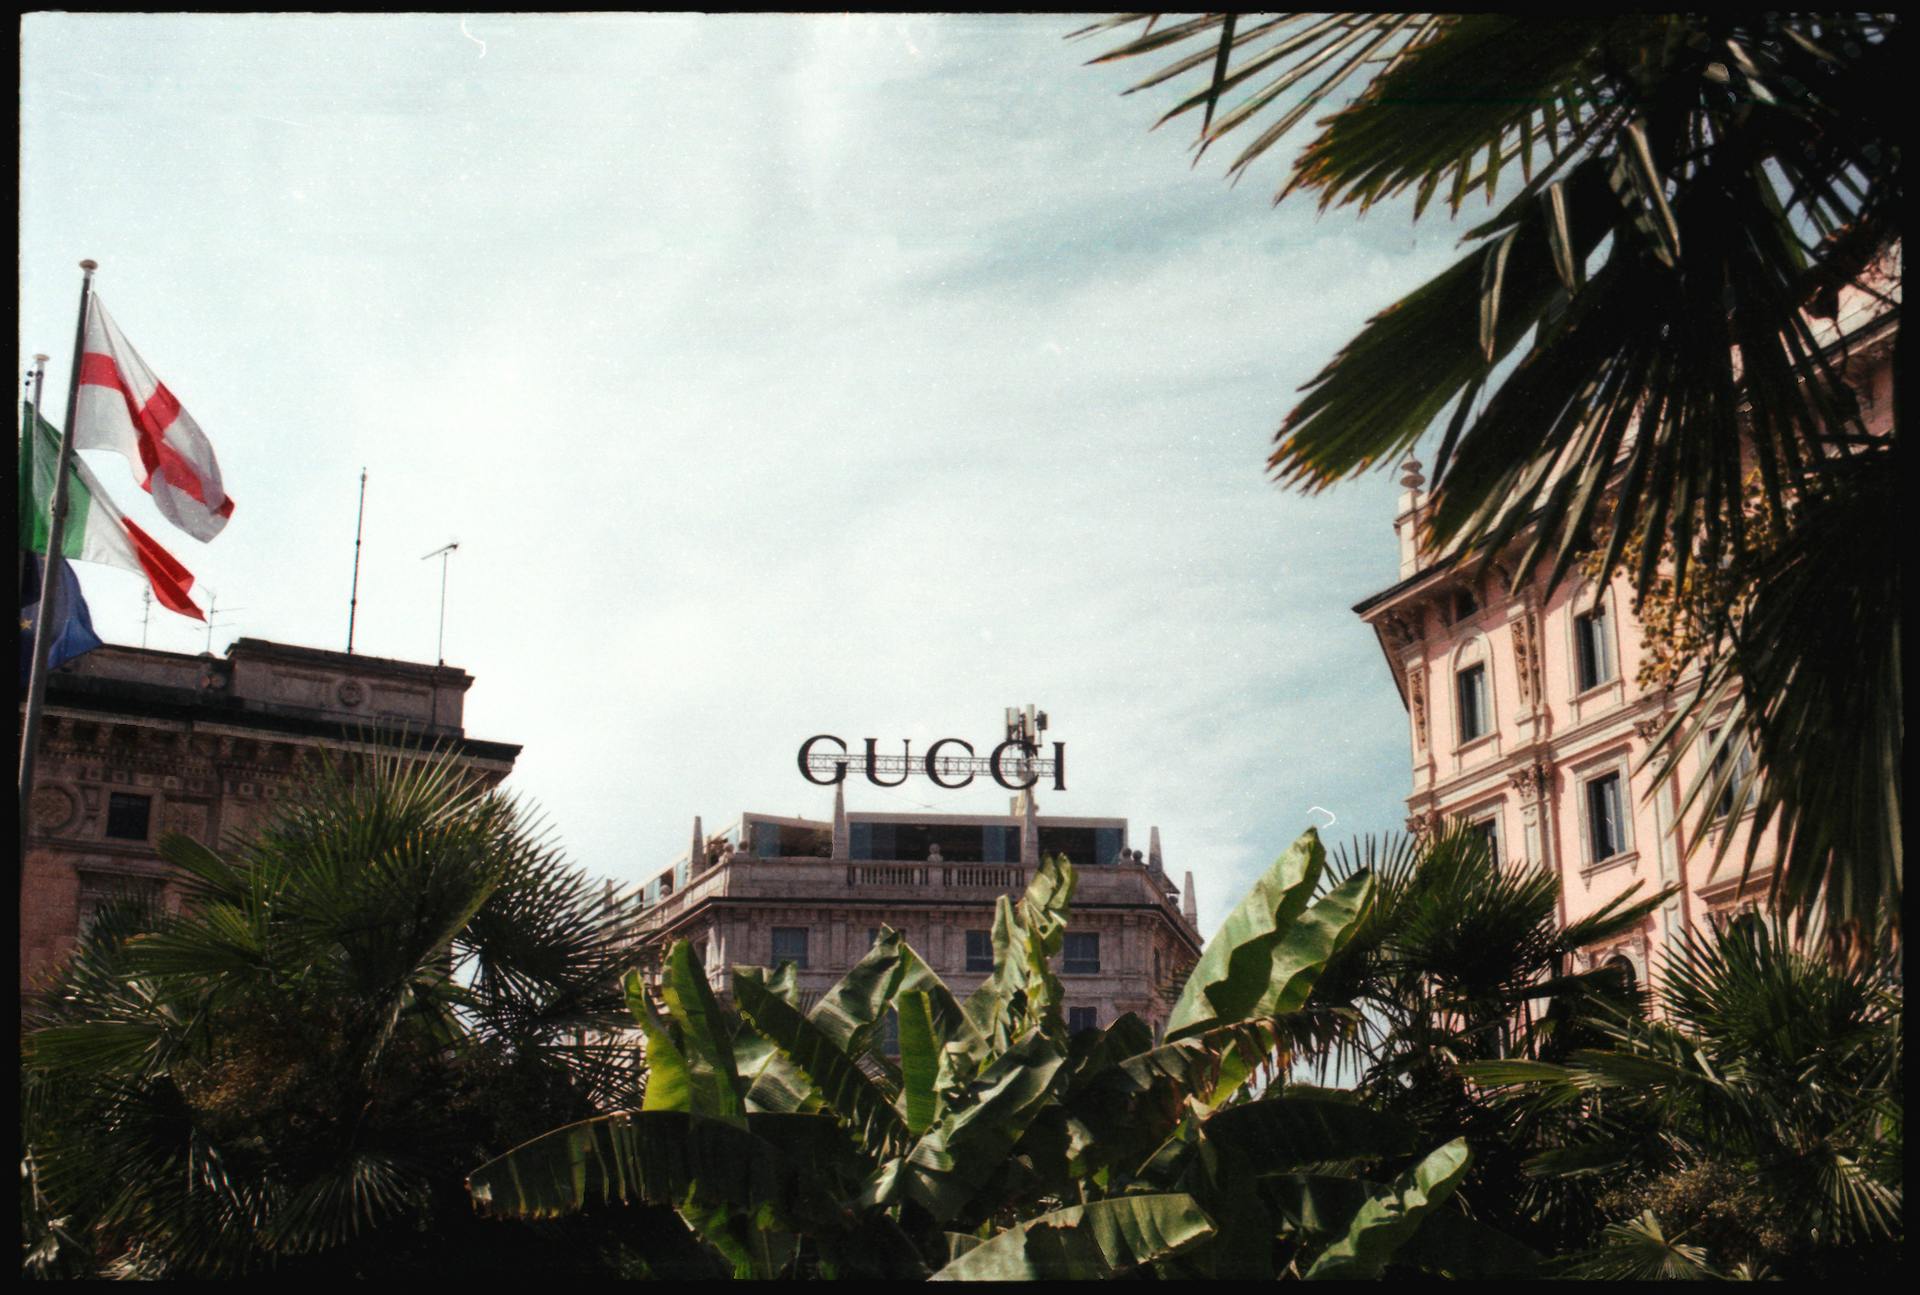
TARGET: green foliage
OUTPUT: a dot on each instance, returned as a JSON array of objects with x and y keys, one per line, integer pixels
[
  {"x": 1001, "y": 1147},
  {"x": 1631, "y": 336},
  {"x": 1772, "y": 1079},
  {"x": 295, "y": 1071}
]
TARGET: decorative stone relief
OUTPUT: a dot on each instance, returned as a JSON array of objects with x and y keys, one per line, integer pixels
[
  {"x": 1526, "y": 659},
  {"x": 1531, "y": 780},
  {"x": 187, "y": 819},
  {"x": 53, "y": 808},
  {"x": 1417, "y": 702},
  {"x": 351, "y": 692},
  {"x": 1423, "y": 824}
]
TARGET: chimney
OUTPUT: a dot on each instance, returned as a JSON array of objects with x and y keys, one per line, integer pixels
[
  {"x": 697, "y": 857},
  {"x": 1189, "y": 908},
  {"x": 1406, "y": 522},
  {"x": 842, "y": 837},
  {"x": 1154, "y": 862}
]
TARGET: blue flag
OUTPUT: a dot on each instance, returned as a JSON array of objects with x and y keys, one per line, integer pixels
[{"x": 71, "y": 624}]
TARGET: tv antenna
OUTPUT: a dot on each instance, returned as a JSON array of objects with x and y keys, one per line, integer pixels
[
  {"x": 213, "y": 610},
  {"x": 444, "y": 552}
]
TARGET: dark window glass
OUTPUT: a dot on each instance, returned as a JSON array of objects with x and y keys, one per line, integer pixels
[
  {"x": 127, "y": 816},
  {"x": 1489, "y": 830},
  {"x": 1621, "y": 966},
  {"x": 1595, "y": 648},
  {"x": 1472, "y": 691},
  {"x": 1604, "y": 825},
  {"x": 1083, "y": 951},
  {"x": 790, "y": 945},
  {"x": 979, "y": 951},
  {"x": 1083, "y": 846},
  {"x": 887, "y": 1044},
  {"x": 1737, "y": 755},
  {"x": 1464, "y": 604},
  {"x": 1000, "y": 845},
  {"x": 1083, "y": 1018}
]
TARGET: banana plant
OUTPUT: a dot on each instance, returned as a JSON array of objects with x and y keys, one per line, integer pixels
[{"x": 1000, "y": 1146}]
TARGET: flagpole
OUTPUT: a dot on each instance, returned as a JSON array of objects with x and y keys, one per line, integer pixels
[{"x": 50, "y": 569}]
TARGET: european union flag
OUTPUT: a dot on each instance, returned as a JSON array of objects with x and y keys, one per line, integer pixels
[{"x": 71, "y": 624}]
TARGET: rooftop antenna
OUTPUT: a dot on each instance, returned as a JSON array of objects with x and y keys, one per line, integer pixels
[
  {"x": 444, "y": 552},
  {"x": 353, "y": 602},
  {"x": 213, "y": 610}
]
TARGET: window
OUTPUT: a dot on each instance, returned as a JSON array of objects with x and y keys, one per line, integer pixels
[
  {"x": 1594, "y": 648},
  {"x": 887, "y": 1043},
  {"x": 665, "y": 882},
  {"x": 127, "y": 816},
  {"x": 790, "y": 945},
  {"x": 1606, "y": 826},
  {"x": 1622, "y": 968},
  {"x": 97, "y": 890},
  {"x": 1083, "y": 951},
  {"x": 1464, "y": 604},
  {"x": 1489, "y": 831},
  {"x": 1472, "y": 690},
  {"x": 1740, "y": 757},
  {"x": 1082, "y": 1018},
  {"x": 979, "y": 951}
]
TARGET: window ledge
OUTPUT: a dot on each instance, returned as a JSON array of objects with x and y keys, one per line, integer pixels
[
  {"x": 1467, "y": 748},
  {"x": 1597, "y": 691},
  {"x": 1626, "y": 858}
]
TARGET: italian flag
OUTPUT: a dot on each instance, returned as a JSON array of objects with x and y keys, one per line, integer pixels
[{"x": 96, "y": 531}]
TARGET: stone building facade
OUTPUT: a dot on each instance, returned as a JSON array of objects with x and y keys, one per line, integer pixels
[
  {"x": 135, "y": 743},
  {"x": 1525, "y": 716},
  {"x": 814, "y": 892}
]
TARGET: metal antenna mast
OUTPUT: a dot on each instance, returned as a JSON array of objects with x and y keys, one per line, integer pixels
[
  {"x": 213, "y": 609},
  {"x": 444, "y": 552},
  {"x": 353, "y": 602}
]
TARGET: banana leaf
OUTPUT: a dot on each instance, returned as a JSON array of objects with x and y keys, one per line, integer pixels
[{"x": 1101, "y": 1239}]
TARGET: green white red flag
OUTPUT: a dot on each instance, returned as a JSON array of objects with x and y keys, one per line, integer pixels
[
  {"x": 123, "y": 407},
  {"x": 96, "y": 531}
]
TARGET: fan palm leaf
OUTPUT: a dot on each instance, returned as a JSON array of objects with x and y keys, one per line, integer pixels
[{"x": 1632, "y": 336}]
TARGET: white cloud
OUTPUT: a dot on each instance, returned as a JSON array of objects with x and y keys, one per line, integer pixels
[{"x": 777, "y": 375}]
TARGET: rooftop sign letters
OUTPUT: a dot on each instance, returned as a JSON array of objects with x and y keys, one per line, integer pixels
[{"x": 1015, "y": 764}]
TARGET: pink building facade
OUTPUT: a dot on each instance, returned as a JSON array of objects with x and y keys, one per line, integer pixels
[{"x": 1525, "y": 719}]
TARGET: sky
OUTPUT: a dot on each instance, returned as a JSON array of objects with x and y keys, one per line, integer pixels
[{"x": 776, "y": 375}]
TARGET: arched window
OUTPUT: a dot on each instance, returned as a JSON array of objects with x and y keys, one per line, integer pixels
[{"x": 1622, "y": 966}]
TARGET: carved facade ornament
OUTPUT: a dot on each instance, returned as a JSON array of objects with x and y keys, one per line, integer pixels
[
  {"x": 53, "y": 808},
  {"x": 1417, "y": 703},
  {"x": 1527, "y": 670},
  {"x": 1423, "y": 824},
  {"x": 1649, "y": 728},
  {"x": 1531, "y": 780}
]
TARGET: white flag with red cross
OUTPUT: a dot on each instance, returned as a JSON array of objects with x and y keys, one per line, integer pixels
[{"x": 125, "y": 408}]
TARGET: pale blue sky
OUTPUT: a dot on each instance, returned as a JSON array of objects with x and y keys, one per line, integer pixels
[{"x": 777, "y": 374}]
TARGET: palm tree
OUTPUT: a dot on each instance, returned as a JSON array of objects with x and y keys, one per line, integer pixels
[
  {"x": 396, "y": 977},
  {"x": 1773, "y": 1081},
  {"x": 1631, "y": 337},
  {"x": 1460, "y": 960}
]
